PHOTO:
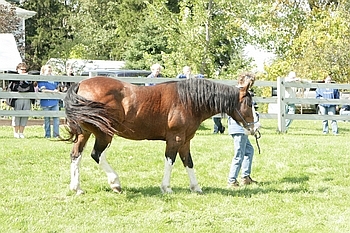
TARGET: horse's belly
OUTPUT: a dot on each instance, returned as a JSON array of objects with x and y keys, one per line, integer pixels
[{"x": 140, "y": 132}]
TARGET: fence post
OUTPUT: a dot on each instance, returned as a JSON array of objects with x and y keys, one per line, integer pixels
[
  {"x": 92, "y": 73},
  {"x": 281, "y": 105}
]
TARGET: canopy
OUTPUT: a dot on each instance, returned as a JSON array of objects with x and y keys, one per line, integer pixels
[{"x": 9, "y": 55}]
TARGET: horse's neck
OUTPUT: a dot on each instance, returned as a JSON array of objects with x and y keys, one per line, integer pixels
[{"x": 209, "y": 114}]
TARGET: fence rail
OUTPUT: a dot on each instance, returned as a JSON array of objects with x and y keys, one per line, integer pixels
[{"x": 280, "y": 99}]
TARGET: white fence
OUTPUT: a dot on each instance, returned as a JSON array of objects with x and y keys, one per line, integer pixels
[{"x": 280, "y": 100}]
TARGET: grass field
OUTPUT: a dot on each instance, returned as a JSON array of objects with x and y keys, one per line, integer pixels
[{"x": 303, "y": 185}]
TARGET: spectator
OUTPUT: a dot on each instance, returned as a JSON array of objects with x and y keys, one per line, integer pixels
[
  {"x": 19, "y": 123},
  {"x": 187, "y": 73},
  {"x": 345, "y": 110},
  {"x": 328, "y": 109},
  {"x": 155, "y": 68},
  {"x": 290, "y": 93},
  {"x": 49, "y": 104}
]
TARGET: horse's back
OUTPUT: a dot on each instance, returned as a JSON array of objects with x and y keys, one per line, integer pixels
[
  {"x": 98, "y": 87},
  {"x": 140, "y": 112}
]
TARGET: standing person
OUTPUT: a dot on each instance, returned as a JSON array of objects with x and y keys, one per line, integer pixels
[
  {"x": 64, "y": 86},
  {"x": 186, "y": 73},
  {"x": 218, "y": 127},
  {"x": 290, "y": 93},
  {"x": 155, "y": 68},
  {"x": 328, "y": 109},
  {"x": 243, "y": 149},
  {"x": 19, "y": 123},
  {"x": 49, "y": 104}
]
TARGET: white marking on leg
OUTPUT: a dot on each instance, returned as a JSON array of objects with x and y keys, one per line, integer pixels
[
  {"x": 168, "y": 166},
  {"x": 75, "y": 176},
  {"x": 194, "y": 187},
  {"x": 112, "y": 176}
]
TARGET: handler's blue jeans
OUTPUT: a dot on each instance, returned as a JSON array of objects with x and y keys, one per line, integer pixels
[
  {"x": 56, "y": 122},
  {"x": 328, "y": 111},
  {"x": 243, "y": 157}
]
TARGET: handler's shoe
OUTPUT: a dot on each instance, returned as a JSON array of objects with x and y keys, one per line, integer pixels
[
  {"x": 234, "y": 184},
  {"x": 222, "y": 130},
  {"x": 16, "y": 135},
  {"x": 248, "y": 180}
]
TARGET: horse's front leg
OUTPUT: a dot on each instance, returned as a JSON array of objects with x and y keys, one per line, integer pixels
[
  {"x": 185, "y": 155},
  {"x": 76, "y": 156}
]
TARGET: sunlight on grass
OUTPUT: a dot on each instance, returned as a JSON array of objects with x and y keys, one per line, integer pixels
[{"x": 303, "y": 185}]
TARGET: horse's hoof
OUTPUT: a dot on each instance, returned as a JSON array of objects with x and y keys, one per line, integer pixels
[
  {"x": 200, "y": 192},
  {"x": 196, "y": 189},
  {"x": 117, "y": 189},
  {"x": 80, "y": 192},
  {"x": 166, "y": 190}
]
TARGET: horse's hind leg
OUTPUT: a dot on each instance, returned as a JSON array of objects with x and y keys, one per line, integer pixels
[
  {"x": 99, "y": 155},
  {"x": 76, "y": 155},
  {"x": 185, "y": 155}
]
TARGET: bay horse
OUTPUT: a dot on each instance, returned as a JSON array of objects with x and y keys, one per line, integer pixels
[{"x": 170, "y": 111}]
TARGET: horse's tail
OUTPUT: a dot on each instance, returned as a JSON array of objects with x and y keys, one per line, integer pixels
[{"x": 81, "y": 110}]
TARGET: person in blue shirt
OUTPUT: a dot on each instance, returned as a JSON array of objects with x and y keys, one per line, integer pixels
[
  {"x": 243, "y": 149},
  {"x": 328, "y": 109},
  {"x": 49, "y": 104},
  {"x": 187, "y": 73}
]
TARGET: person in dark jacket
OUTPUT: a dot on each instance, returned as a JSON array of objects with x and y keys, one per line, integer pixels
[{"x": 19, "y": 123}]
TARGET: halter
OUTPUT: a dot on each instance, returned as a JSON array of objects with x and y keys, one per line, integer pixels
[
  {"x": 245, "y": 123},
  {"x": 257, "y": 133}
]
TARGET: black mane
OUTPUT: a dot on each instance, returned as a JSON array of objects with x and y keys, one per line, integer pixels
[{"x": 203, "y": 94}]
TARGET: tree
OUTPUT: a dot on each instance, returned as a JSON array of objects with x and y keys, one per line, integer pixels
[
  {"x": 10, "y": 23},
  {"x": 47, "y": 31},
  {"x": 201, "y": 34},
  {"x": 323, "y": 48}
]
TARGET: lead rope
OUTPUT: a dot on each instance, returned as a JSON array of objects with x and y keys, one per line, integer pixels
[{"x": 257, "y": 136}]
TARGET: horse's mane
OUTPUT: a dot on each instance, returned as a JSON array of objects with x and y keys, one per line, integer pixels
[{"x": 202, "y": 94}]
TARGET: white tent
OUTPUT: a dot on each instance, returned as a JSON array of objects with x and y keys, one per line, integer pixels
[{"x": 9, "y": 55}]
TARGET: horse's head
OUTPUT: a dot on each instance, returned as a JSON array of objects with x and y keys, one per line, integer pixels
[{"x": 244, "y": 113}]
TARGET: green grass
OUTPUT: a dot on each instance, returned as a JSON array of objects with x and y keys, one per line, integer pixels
[{"x": 304, "y": 185}]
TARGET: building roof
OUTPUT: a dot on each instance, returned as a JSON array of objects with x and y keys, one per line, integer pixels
[{"x": 21, "y": 13}]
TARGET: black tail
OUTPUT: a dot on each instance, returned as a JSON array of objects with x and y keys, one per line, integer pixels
[{"x": 81, "y": 110}]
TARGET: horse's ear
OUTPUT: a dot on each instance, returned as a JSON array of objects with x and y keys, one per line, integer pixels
[{"x": 251, "y": 83}]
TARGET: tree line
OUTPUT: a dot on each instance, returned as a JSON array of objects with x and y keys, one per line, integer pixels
[{"x": 310, "y": 37}]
